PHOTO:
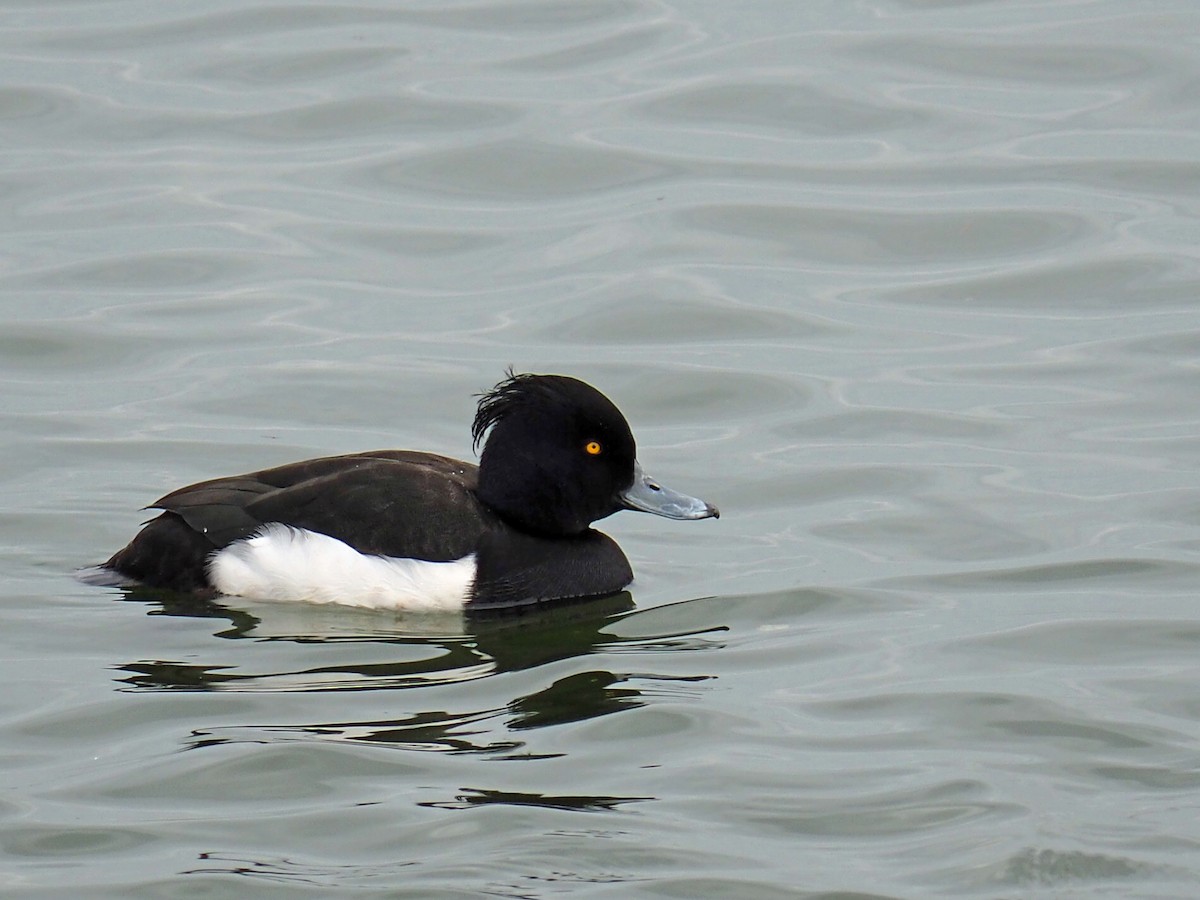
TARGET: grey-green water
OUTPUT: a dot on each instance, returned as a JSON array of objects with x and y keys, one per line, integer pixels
[{"x": 909, "y": 289}]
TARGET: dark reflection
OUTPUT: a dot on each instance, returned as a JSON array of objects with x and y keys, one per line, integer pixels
[
  {"x": 573, "y": 699},
  {"x": 177, "y": 676},
  {"x": 584, "y": 696},
  {"x": 432, "y": 731},
  {"x": 169, "y": 603},
  {"x": 450, "y": 651},
  {"x": 292, "y": 871},
  {"x": 452, "y": 660},
  {"x": 462, "y": 650},
  {"x": 480, "y": 797}
]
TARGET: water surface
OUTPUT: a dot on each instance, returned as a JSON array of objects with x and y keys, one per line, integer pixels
[{"x": 908, "y": 289}]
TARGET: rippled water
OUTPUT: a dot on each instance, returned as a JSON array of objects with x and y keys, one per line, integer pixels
[{"x": 909, "y": 289}]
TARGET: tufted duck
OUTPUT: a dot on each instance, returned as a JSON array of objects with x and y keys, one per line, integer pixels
[{"x": 402, "y": 529}]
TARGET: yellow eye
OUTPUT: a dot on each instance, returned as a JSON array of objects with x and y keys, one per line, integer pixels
[{"x": 593, "y": 448}]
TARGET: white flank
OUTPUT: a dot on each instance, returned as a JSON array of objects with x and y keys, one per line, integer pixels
[{"x": 285, "y": 563}]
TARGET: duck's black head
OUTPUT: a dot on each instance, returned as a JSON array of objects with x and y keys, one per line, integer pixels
[{"x": 559, "y": 455}]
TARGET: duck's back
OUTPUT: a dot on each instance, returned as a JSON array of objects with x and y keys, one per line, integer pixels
[{"x": 395, "y": 503}]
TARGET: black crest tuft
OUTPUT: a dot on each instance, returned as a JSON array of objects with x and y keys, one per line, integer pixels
[{"x": 514, "y": 392}]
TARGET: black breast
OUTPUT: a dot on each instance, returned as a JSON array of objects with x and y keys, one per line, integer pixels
[{"x": 513, "y": 568}]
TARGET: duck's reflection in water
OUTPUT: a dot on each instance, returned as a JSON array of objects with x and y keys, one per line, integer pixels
[{"x": 373, "y": 652}]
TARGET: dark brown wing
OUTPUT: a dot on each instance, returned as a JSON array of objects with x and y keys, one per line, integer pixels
[{"x": 390, "y": 502}]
